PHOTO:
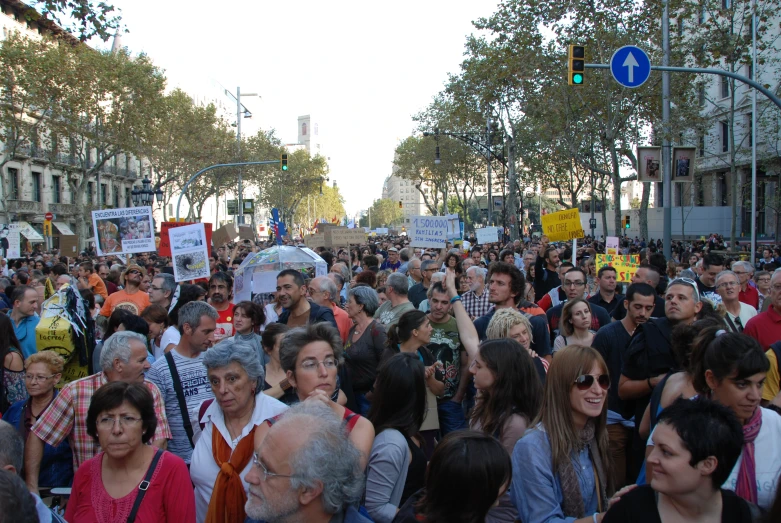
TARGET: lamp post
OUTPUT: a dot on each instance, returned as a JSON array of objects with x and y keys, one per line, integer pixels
[
  {"x": 246, "y": 114},
  {"x": 144, "y": 195}
]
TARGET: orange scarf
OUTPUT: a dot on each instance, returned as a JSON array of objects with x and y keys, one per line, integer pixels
[{"x": 228, "y": 496}]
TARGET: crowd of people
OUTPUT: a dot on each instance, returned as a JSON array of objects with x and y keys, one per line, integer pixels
[{"x": 499, "y": 383}]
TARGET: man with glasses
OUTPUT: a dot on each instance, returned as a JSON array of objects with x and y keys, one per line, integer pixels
[
  {"x": 574, "y": 286},
  {"x": 414, "y": 276},
  {"x": 738, "y": 313},
  {"x": 762, "y": 283},
  {"x": 748, "y": 292},
  {"x": 417, "y": 293},
  {"x": 130, "y": 298}
]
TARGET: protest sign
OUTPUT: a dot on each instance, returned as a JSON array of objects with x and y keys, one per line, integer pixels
[
  {"x": 428, "y": 231},
  {"x": 126, "y": 230},
  {"x": 313, "y": 241},
  {"x": 562, "y": 226},
  {"x": 382, "y": 230},
  {"x": 69, "y": 245},
  {"x": 189, "y": 252},
  {"x": 453, "y": 227},
  {"x": 611, "y": 245},
  {"x": 225, "y": 234},
  {"x": 487, "y": 235},
  {"x": 625, "y": 265},
  {"x": 164, "y": 248},
  {"x": 246, "y": 233},
  {"x": 10, "y": 241},
  {"x": 345, "y": 237}
]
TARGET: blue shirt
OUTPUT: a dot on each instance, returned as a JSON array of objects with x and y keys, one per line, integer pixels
[
  {"x": 25, "y": 333},
  {"x": 536, "y": 490}
]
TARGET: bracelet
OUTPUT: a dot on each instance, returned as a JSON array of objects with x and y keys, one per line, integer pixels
[
  {"x": 595, "y": 517},
  {"x": 455, "y": 298},
  {"x": 648, "y": 380}
]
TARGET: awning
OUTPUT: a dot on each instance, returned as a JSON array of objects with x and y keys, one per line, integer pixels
[
  {"x": 28, "y": 232},
  {"x": 63, "y": 228}
]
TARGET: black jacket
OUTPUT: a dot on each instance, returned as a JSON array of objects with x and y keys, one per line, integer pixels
[{"x": 316, "y": 315}]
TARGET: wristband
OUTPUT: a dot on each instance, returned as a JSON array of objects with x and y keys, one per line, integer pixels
[
  {"x": 595, "y": 517},
  {"x": 455, "y": 298}
]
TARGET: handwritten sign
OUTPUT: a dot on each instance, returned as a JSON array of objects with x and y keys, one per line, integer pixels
[
  {"x": 611, "y": 245},
  {"x": 164, "y": 249},
  {"x": 428, "y": 231},
  {"x": 345, "y": 237},
  {"x": 625, "y": 265},
  {"x": 563, "y": 225},
  {"x": 314, "y": 241},
  {"x": 487, "y": 235}
]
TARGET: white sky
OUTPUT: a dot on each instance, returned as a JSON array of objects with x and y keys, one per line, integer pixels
[{"x": 361, "y": 69}]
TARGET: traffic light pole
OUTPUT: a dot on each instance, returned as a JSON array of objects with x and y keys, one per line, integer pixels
[
  {"x": 196, "y": 175},
  {"x": 667, "y": 234}
]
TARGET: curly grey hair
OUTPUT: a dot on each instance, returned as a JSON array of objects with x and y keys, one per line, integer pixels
[
  {"x": 118, "y": 346},
  {"x": 327, "y": 458},
  {"x": 230, "y": 350}
]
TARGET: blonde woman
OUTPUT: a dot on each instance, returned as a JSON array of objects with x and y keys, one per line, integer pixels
[
  {"x": 575, "y": 325},
  {"x": 510, "y": 323}
]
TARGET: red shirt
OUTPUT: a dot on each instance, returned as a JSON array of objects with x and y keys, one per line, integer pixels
[
  {"x": 750, "y": 296},
  {"x": 765, "y": 327},
  {"x": 224, "y": 324}
]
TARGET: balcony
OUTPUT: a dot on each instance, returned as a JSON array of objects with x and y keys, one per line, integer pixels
[
  {"x": 23, "y": 206},
  {"x": 64, "y": 209}
]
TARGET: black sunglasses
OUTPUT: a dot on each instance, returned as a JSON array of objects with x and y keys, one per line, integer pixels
[{"x": 585, "y": 381}]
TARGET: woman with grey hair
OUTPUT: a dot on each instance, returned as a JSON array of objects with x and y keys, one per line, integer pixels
[
  {"x": 223, "y": 452},
  {"x": 365, "y": 343}
]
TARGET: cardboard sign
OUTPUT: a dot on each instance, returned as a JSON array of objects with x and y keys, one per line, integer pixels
[
  {"x": 69, "y": 245},
  {"x": 225, "y": 234},
  {"x": 164, "y": 249},
  {"x": 625, "y": 265},
  {"x": 453, "y": 227},
  {"x": 487, "y": 235},
  {"x": 563, "y": 225},
  {"x": 611, "y": 245},
  {"x": 428, "y": 231},
  {"x": 321, "y": 227},
  {"x": 246, "y": 233},
  {"x": 343, "y": 238},
  {"x": 313, "y": 241}
]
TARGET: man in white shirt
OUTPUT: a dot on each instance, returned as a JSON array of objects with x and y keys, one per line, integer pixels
[{"x": 738, "y": 313}]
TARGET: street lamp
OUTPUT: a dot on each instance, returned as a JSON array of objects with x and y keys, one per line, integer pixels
[
  {"x": 247, "y": 114},
  {"x": 143, "y": 196}
]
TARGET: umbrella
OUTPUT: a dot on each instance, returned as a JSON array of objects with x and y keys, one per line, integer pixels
[{"x": 258, "y": 272}]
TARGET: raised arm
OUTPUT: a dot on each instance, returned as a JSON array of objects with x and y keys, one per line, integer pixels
[{"x": 466, "y": 327}]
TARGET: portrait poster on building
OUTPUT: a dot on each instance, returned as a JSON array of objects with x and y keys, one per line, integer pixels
[
  {"x": 683, "y": 164},
  {"x": 126, "y": 230},
  {"x": 10, "y": 241},
  {"x": 189, "y": 252},
  {"x": 649, "y": 161}
]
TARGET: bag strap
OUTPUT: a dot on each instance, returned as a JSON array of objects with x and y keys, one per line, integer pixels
[
  {"x": 188, "y": 428},
  {"x": 731, "y": 324},
  {"x": 202, "y": 410},
  {"x": 144, "y": 485}
]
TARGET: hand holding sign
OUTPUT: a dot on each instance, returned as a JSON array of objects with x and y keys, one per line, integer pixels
[{"x": 563, "y": 225}]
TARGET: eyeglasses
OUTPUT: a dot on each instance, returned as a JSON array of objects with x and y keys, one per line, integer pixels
[
  {"x": 134, "y": 271},
  {"x": 311, "y": 365},
  {"x": 108, "y": 422},
  {"x": 266, "y": 473},
  {"x": 153, "y": 288},
  {"x": 573, "y": 283},
  {"x": 37, "y": 377},
  {"x": 585, "y": 381},
  {"x": 728, "y": 284},
  {"x": 686, "y": 281}
]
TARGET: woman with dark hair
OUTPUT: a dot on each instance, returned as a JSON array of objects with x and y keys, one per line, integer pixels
[
  {"x": 248, "y": 317},
  {"x": 366, "y": 278},
  {"x": 12, "y": 387},
  {"x": 453, "y": 261},
  {"x": 697, "y": 443},
  {"x": 156, "y": 317},
  {"x": 561, "y": 468},
  {"x": 275, "y": 384},
  {"x": 106, "y": 488},
  {"x": 397, "y": 463},
  {"x": 467, "y": 474},
  {"x": 492, "y": 256}
]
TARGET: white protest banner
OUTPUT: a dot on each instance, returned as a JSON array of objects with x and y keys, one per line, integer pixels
[
  {"x": 487, "y": 235},
  {"x": 611, "y": 245},
  {"x": 427, "y": 231},
  {"x": 189, "y": 252},
  {"x": 12, "y": 243},
  {"x": 453, "y": 227},
  {"x": 127, "y": 230}
]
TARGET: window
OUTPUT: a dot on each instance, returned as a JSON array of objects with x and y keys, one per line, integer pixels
[
  {"x": 116, "y": 197},
  {"x": 103, "y": 194},
  {"x": 724, "y": 86},
  {"x": 56, "y": 189},
  {"x": 303, "y": 129},
  {"x": 701, "y": 95},
  {"x": 13, "y": 183},
  {"x": 36, "y": 187},
  {"x": 90, "y": 193},
  {"x": 750, "y": 71},
  {"x": 680, "y": 27},
  {"x": 750, "y": 129},
  {"x": 723, "y": 189},
  {"x": 724, "y": 136},
  {"x": 127, "y": 196},
  {"x": 701, "y": 146}
]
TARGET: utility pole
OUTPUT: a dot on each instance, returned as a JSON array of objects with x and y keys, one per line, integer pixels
[
  {"x": 240, "y": 218},
  {"x": 488, "y": 147},
  {"x": 515, "y": 189},
  {"x": 666, "y": 161},
  {"x": 752, "y": 258}
]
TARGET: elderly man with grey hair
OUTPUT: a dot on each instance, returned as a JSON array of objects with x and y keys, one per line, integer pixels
[
  {"x": 323, "y": 291},
  {"x": 237, "y": 380},
  {"x": 306, "y": 469},
  {"x": 738, "y": 313},
  {"x": 417, "y": 293},
  {"x": 475, "y": 300},
  {"x": 181, "y": 376},
  {"x": 396, "y": 289},
  {"x": 123, "y": 358},
  {"x": 748, "y": 292},
  {"x": 342, "y": 271}
]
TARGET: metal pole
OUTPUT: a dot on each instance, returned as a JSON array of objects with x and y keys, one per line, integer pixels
[
  {"x": 488, "y": 147},
  {"x": 514, "y": 189},
  {"x": 666, "y": 160},
  {"x": 240, "y": 217},
  {"x": 752, "y": 258},
  {"x": 593, "y": 221}
]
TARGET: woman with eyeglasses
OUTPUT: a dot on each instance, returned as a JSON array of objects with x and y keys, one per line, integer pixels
[
  {"x": 310, "y": 357},
  {"x": 42, "y": 372},
  {"x": 223, "y": 451},
  {"x": 561, "y": 468},
  {"x": 110, "y": 486},
  {"x": 575, "y": 325}
]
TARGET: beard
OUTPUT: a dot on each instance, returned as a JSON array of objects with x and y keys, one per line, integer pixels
[
  {"x": 264, "y": 509},
  {"x": 217, "y": 298}
]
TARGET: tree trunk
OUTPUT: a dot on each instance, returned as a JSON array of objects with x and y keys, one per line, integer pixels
[
  {"x": 616, "y": 177},
  {"x": 644, "y": 210}
]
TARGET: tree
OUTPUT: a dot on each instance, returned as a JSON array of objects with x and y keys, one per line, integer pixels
[
  {"x": 320, "y": 206},
  {"x": 82, "y": 18},
  {"x": 286, "y": 190},
  {"x": 383, "y": 213}
]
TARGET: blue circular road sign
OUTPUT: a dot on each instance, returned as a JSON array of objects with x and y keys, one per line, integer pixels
[{"x": 630, "y": 66}]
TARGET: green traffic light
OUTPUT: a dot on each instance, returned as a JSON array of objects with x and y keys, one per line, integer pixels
[
  {"x": 577, "y": 78},
  {"x": 284, "y": 167}
]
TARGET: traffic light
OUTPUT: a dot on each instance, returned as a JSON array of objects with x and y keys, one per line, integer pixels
[
  {"x": 626, "y": 222},
  {"x": 577, "y": 65},
  {"x": 283, "y": 161},
  {"x": 400, "y": 204}
]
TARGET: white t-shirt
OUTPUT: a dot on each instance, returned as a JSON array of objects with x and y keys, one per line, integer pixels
[
  {"x": 171, "y": 335},
  {"x": 746, "y": 313}
]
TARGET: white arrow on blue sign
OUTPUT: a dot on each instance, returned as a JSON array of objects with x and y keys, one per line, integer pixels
[{"x": 630, "y": 66}]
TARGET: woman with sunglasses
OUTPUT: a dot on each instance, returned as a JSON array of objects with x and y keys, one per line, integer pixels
[{"x": 561, "y": 468}]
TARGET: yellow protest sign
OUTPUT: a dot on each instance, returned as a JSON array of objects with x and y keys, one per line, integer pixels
[
  {"x": 563, "y": 225},
  {"x": 625, "y": 265}
]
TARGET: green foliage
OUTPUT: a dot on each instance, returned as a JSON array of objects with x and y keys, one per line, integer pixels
[
  {"x": 82, "y": 18},
  {"x": 384, "y": 213}
]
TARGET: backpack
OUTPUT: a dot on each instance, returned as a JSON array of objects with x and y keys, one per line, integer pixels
[{"x": 776, "y": 348}]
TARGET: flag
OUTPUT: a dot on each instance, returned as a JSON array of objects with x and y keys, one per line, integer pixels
[
  {"x": 316, "y": 222},
  {"x": 334, "y": 220},
  {"x": 278, "y": 226}
]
